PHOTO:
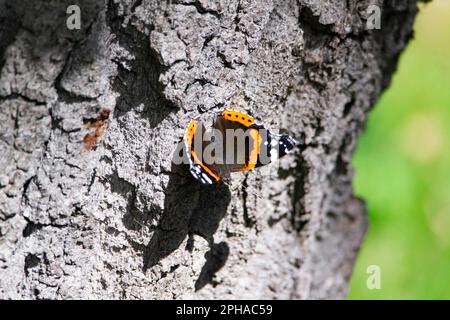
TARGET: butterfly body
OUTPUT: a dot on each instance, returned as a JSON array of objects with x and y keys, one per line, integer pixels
[{"x": 235, "y": 143}]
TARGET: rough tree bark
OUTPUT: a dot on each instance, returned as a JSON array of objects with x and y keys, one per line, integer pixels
[{"x": 90, "y": 205}]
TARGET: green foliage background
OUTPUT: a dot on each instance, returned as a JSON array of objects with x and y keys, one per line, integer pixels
[{"x": 403, "y": 171}]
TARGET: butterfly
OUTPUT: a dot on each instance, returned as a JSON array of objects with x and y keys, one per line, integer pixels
[{"x": 234, "y": 143}]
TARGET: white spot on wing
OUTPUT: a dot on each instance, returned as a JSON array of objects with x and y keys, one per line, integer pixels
[{"x": 207, "y": 178}]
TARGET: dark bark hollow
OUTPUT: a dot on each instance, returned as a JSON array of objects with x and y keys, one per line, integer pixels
[{"x": 90, "y": 205}]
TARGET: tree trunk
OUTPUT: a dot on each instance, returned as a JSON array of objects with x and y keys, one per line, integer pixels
[{"x": 90, "y": 204}]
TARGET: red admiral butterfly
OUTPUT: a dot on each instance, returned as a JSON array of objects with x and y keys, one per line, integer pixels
[{"x": 235, "y": 143}]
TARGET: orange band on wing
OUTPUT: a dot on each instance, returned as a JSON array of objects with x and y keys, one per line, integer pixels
[
  {"x": 189, "y": 139},
  {"x": 237, "y": 116},
  {"x": 190, "y": 131},
  {"x": 253, "y": 157},
  {"x": 208, "y": 170}
]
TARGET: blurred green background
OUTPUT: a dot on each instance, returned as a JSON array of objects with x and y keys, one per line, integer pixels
[{"x": 403, "y": 171}]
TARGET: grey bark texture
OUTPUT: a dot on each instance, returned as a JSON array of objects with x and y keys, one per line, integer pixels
[{"x": 90, "y": 203}]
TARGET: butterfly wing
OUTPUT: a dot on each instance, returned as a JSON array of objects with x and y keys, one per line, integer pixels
[
  {"x": 237, "y": 117},
  {"x": 197, "y": 167},
  {"x": 241, "y": 142},
  {"x": 244, "y": 144},
  {"x": 274, "y": 146},
  {"x": 261, "y": 146}
]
